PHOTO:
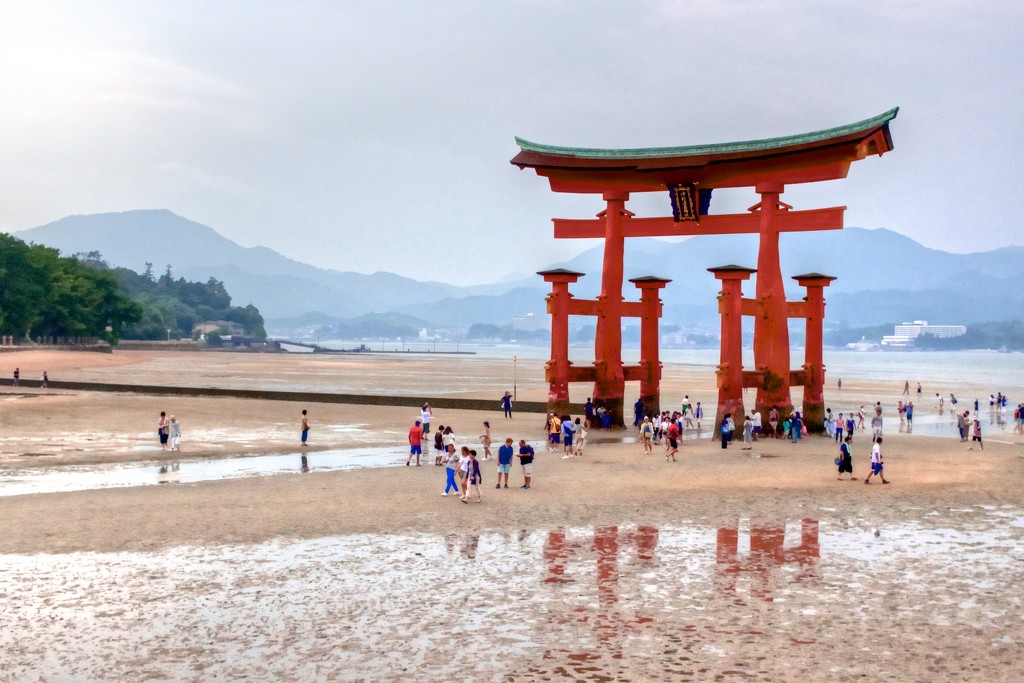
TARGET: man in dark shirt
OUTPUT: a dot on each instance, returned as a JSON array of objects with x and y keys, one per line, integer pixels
[{"x": 526, "y": 460}]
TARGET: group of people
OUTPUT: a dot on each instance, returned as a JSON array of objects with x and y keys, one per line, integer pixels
[
  {"x": 44, "y": 382},
  {"x": 844, "y": 461},
  {"x": 572, "y": 436},
  {"x": 168, "y": 430}
]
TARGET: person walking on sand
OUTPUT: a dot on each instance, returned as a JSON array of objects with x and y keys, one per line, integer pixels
[
  {"x": 876, "y": 463},
  {"x": 415, "y": 443},
  {"x": 568, "y": 431},
  {"x": 163, "y": 430},
  {"x": 485, "y": 439},
  {"x": 505, "y": 454},
  {"x": 526, "y": 462},
  {"x": 506, "y": 404},
  {"x": 175, "y": 434},
  {"x": 17, "y": 375},
  {"x": 425, "y": 414},
  {"x": 773, "y": 422},
  {"x": 845, "y": 460},
  {"x": 748, "y": 433},
  {"x": 860, "y": 418},
  {"x": 840, "y": 426},
  {"x": 909, "y": 410},
  {"x": 647, "y": 435},
  {"x": 850, "y": 425},
  {"x": 698, "y": 415},
  {"x": 46, "y": 380},
  {"x": 303, "y": 426},
  {"x": 976, "y": 435},
  {"x": 906, "y": 388},
  {"x": 451, "y": 468},
  {"x": 474, "y": 478},
  {"x": 581, "y": 437},
  {"x": 554, "y": 431},
  {"x": 464, "y": 472},
  {"x": 672, "y": 442},
  {"x": 439, "y": 454}
]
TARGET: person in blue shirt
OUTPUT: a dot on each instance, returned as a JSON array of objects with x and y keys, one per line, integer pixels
[
  {"x": 505, "y": 454},
  {"x": 526, "y": 460},
  {"x": 567, "y": 433}
]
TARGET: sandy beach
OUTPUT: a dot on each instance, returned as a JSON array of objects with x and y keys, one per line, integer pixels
[{"x": 729, "y": 563}]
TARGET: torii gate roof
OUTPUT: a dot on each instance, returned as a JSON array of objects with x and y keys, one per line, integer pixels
[{"x": 808, "y": 157}]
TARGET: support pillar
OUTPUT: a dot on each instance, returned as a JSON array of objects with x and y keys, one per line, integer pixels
[
  {"x": 730, "y": 366},
  {"x": 556, "y": 370},
  {"x": 771, "y": 328},
  {"x": 650, "y": 362},
  {"x": 814, "y": 365},
  {"x": 610, "y": 384}
]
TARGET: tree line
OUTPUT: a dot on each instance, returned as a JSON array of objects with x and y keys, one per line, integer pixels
[{"x": 44, "y": 294}]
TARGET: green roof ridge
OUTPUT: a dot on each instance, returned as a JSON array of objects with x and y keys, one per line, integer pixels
[{"x": 717, "y": 148}]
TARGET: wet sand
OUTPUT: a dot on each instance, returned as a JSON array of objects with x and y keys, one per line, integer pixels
[{"x": 761, "y": 566}]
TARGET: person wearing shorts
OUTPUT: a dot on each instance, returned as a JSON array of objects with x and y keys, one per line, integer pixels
[
  {"x": 163, "y": 430},
  {"x": 876, "y": 463},
  {"x": 567, "y": 433},
  {"x": 647, "y": 435},
  {"x": 303, "y": 427},
  {"x": 673, "y": 441},
  {"x": 505, "y": 454},
  {"x": 976, "y": 436},
  {"x": 415, "y": 443},
  {"x": 554, "y": 431},
  {"x": 526, "y": 454}
]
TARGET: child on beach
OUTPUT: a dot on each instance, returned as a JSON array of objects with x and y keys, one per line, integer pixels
[
  {"x": 568, "y": 431},
  {"x": 175, "y": 434},
  {"x": 876, "y": 463}
]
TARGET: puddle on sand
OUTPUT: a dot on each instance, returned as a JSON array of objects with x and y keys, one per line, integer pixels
[
  {"x": 799, "y": 600},
  {"x": 80, "y": 478}
]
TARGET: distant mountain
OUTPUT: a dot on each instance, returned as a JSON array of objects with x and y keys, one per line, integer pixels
[
  {"x": 277, "y": 285},
  {"x": 882, "y": 276}
]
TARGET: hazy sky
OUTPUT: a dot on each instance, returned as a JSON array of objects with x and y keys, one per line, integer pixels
[{"x": 377, "y": 135}]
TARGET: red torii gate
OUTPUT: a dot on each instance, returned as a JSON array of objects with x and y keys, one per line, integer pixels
[{"x": 689, "y": 174}]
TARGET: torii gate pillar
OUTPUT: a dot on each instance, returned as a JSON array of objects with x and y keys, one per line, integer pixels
[
  {"x": 814, "y": 367},
  {"x": 557, "y": 369},
  {"x": 650, "y": 361},
  {"x": 730, "y": 365}
]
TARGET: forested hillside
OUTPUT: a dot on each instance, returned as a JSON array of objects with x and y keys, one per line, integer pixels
[{"x": 44, "y": 294}]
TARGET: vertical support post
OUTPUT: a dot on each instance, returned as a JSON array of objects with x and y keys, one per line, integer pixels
[
  {"x": 814, "y": 365},
  {"x": 611, "y": 382},
  {"x": 556, "y": 370},
  {"x": 771, "y": 328},
  {"x": 650, "y": 301},
  {"x": 730, "y": 365}
]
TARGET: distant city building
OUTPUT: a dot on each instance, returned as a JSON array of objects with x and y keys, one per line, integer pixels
[
  {"x": 904, "y": 335},
  {"x": 526, "y": 323}
]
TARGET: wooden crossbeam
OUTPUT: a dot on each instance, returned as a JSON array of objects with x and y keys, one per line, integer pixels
[{"x": 830, "y": 218}]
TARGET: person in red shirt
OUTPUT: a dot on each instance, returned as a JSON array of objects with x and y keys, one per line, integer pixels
[
  {"x": 673, "y": 440},
  {"x": 415, "y": 443}
]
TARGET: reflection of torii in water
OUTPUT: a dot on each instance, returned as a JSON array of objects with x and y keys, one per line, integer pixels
[
  {"x": 605, "y": 544},
  {"x": 767, "y": 555},
  {"x": 689, "y": 174}
]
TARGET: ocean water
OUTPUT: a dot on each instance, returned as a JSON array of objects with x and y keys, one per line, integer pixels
[{"x": 937, "y": 371}]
